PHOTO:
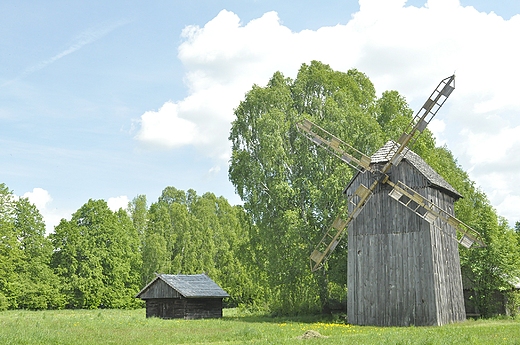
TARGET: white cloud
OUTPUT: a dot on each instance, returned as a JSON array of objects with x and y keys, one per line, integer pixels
[
  {"x": 437, "y": 127},
  {"x": 118, "y": 202},
  {"x": 39, "y": 197},
  {"x": 214, "y": 170},
  {"x": 42, "y": 199},
  {"x": 491, "y": 148},
  {"x": 399, "y": 47},
  {"x": 164, "y": 128}
]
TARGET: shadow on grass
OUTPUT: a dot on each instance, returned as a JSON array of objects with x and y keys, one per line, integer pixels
[{"x": 266, "y": 318}]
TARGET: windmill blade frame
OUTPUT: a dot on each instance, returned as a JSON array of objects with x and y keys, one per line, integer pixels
[
  {"x": 348, "y": 154},
  {"x": 339, "y": 227},
  {"x": 420, "y": 121},
  {"x": 429, "y": 211}
]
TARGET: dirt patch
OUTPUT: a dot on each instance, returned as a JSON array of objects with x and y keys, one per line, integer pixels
[{"x": 310, "y": 334}]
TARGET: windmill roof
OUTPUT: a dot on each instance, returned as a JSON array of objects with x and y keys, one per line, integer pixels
[
  {"x": 435, "y": 180},
  {"x": 190, "y": 286}
]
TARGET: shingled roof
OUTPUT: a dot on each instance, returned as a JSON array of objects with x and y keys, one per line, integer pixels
[
  {"x": 190, "y": 286},
  {"x": 435, "y": 180}
]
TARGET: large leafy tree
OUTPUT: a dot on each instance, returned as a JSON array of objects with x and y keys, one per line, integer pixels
[
  {"x": 291, "y": 189},
  {"x": 96, "y": 254},
  {"x": 26, "y": 280},
  {"x": 138, "y": 210},
  {"x": 11, "y": 255},
  {"x": 38, "y": 286}
]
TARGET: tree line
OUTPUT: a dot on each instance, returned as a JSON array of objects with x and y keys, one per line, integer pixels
[
  {"x": 258, "y": 252},
  {"x": 101, "y": 259}
]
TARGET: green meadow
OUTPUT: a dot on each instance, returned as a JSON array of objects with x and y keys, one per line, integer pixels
[{"x": 131, "y": 327}]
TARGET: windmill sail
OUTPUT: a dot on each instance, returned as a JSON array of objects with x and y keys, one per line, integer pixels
[
  {"x": 431, "y": 212},
  {"x": 334, "y": 145},
  {"x": 421, "y": 120},
  {"x": 338, "y": 229}
]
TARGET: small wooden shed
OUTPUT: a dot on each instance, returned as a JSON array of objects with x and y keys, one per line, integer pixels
[{"x": 171, "y": 296}]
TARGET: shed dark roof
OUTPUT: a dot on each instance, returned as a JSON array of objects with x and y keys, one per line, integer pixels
[
  {"x": 435, "y": 180},
  {"x": 190, "y": 286}
]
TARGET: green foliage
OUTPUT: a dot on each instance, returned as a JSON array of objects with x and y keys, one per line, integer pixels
[
  {"x": 513, "y": 303},
  {"x": 138, "y": 210},
  {"x": 258, "y": 252},
  {"x": 292, "y": 189},
  {"x": 287, "y": 185},
  {"x": 189, "y": 234},
  {"x": 26, "y": 280},
  {"x": 96, "y": 255}
]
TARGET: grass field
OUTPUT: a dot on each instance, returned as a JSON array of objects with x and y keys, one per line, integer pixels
[{"x": 131, "y": 327}]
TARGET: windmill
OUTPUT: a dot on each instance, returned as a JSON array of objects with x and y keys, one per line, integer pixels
[{"x": 403, "y": 260}]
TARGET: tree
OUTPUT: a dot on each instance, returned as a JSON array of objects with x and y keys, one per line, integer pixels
[
  {"x": 11, "y": 255},
  {"x": 96, "y": 254},
  {"x": 190, "y": 234},
  {"x": 517, "y": 230},
  {"x": 138, "y": 210},
  {"x": 26, "y": 281},
  {"x": 291, "y": 189},
  {"x": 38, "y": 286}
]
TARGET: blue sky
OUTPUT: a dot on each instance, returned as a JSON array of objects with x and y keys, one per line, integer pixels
[{"x": 111, "y": 99}]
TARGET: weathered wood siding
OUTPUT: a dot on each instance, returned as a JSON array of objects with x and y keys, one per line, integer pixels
[
  {"x": 165, "y": 308},
  {"x": 402, "y": 270},
  {"x": 446, "y": 264},
  {"x": 203, "y": 308},
  {"x": 183, "y": 308},
  {"x": 159, "y": 289}
]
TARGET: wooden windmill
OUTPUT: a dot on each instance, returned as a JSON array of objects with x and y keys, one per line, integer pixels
[{"x": 403, "y": 259}]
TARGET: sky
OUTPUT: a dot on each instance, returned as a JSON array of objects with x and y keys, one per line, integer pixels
[{"x": 113, "y": 99}]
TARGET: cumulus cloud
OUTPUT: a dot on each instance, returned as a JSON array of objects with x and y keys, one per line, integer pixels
[
  {"x": 164, "y": 128},
  {"x": 491, "y": 148},
  {"x": 42, "y": 199},
  {"x": 118, "y": 202},
  {"x": 39, "y": 197},
  {"x": 400, "y": 47}
]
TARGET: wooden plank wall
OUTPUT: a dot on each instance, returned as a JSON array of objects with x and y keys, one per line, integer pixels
[
  {"x": 159, "y": 289},
  {"x": 182, "y": 308},
  {"x": 203, "y": 308},
  {"x": 446, "y": 263},
  {"x": 400, "y": 270}
]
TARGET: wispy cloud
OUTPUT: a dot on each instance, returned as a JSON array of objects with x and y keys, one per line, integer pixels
[{"x": 86, "y": 37}]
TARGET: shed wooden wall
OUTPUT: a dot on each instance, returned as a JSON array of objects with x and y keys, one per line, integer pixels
[
  {"x": 402, "y": 270},
  {"x": 184, "y": 308},
  {"x": 159, "y": 289}
]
